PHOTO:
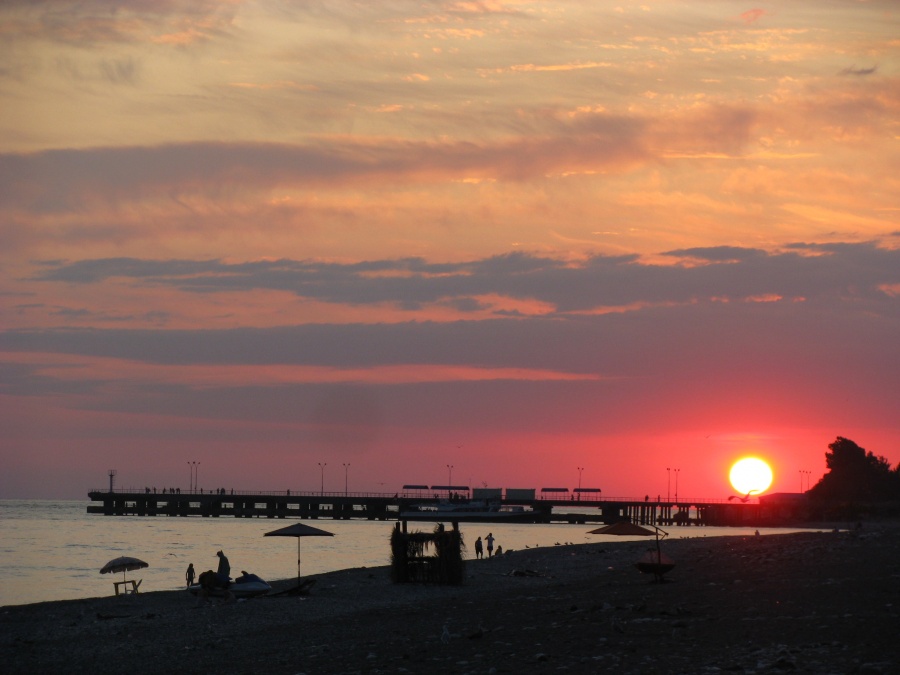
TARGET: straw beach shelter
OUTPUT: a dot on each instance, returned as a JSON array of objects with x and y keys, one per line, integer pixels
[{"x": 299, "y": 530}]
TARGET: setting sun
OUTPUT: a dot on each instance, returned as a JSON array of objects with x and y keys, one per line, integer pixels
[{"x": 750, "y": 474}]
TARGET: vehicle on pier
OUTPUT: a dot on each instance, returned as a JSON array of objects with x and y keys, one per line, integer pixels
[{"x": 469, "y": 512}]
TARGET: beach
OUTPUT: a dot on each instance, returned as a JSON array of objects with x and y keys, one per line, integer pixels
[{"x": 817, "y": 602}]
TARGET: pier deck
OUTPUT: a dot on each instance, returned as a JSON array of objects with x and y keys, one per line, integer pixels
[{"x": 378, "y": 506}]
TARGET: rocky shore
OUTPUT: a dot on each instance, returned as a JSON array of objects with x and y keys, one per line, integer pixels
[{"x": 794, "y": 603}]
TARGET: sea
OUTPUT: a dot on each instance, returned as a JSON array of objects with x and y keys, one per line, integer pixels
[{"x": 53, "y": 550}]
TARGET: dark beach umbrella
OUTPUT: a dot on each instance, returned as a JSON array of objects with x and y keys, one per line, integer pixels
[
  {"x": 624, "y": 528},
  {"x": 123, "y": 564},
  {"x": 299, "y": 530},
  {"x": 653, "y": 562}
]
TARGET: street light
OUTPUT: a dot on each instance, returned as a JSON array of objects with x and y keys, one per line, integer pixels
[
  {"x": 322, "y": 466},
  {"x": 449, "y": 479},
  {"x": 676, "y": 483},
  {"x": 804, "y": 473},
  {"x": 668, "y": 484},
  {"x": 192, "y": 483},
  {"x": 195, "y": 469},
  {"x": 346, "y": 467},
  {"x": 580, "y": 469}
]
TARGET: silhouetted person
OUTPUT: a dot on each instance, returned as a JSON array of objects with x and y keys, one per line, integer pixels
[
  {"x": 479, "y": 548},
  {"x": 189, "y": 575},
  {"x": 490, "y": 543},
  {"x": 224, "y": 571}
]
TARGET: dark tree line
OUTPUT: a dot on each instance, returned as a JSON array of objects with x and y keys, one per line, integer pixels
[{"x": 856, "y": 475}]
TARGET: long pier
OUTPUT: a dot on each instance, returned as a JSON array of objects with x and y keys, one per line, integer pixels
[{"x": 380, "y": 506}]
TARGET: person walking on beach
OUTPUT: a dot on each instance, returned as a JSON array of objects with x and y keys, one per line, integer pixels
[
  {"x": 479, "y": 548},
  {"x": 189, "y": 575},
  {"x": 490, "y": 543}
]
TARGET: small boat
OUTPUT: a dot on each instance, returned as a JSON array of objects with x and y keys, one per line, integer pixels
[
  {"x": 245, "y": 586},
  {"x": 468, "y": 511}
]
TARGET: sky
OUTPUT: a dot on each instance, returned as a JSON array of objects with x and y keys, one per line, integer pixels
[{"x": 502, "y": 243}]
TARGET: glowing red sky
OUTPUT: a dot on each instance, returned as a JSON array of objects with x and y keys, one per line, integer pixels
[{"x": 516, "y": 238}]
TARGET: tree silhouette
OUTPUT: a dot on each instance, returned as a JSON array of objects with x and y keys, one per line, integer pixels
[{"x": 857, "y": 475}]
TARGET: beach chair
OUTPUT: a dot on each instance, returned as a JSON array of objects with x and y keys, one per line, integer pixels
[{"x": 134, "y": 587}]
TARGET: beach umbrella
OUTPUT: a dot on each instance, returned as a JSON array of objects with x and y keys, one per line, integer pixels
[
  {"x": 624, "y": 528},
  {"x": 123, "y": 564},
  {"x": 299, "y": 530},
  {"x": 653, "y": 562}
]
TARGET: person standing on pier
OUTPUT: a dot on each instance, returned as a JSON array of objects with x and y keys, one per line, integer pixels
[
  {"x": 189, "y": 575},
  {"x": 490, "y": 543}
]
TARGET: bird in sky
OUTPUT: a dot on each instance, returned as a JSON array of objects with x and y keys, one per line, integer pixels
[{"x": 745, "y": 498}]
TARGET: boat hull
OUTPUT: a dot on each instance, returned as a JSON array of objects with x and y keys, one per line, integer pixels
[{"x": 249, "y": 589}]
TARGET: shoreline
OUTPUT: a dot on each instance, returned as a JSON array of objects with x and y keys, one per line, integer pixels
[
  {"x": 679, "y": 534},
  {"x": 809, "y": 602}
]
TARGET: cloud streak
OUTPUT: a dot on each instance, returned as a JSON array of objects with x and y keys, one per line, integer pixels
[{"x": 803, "y": 272}]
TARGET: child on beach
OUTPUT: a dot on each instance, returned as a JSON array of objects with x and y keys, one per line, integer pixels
[
  {"x": 479, "y": 549},
  {"x": 189, "y": 575}
]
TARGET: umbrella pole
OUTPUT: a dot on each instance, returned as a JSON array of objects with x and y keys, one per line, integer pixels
[{"x": 298, "y": 561}]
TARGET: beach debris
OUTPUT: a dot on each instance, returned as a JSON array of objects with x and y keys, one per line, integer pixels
[{"x": 525, "y": 573}]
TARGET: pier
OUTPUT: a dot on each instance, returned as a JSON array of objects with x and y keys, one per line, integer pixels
[{"x": 547, "y": 507}]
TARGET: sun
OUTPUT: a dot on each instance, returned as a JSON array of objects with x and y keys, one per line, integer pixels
[{"x": 750, "y": 474}]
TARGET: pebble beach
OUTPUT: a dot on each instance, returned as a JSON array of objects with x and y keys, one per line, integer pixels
[{"x": 810, "y": 602}]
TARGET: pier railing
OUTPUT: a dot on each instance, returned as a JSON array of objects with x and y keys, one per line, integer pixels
[{"x": 424, "y": 495}]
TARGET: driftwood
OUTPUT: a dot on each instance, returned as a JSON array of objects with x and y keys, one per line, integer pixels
[{"x": 302, "y": 588}]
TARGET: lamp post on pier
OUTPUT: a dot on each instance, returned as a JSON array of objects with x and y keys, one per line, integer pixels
[
  {"x": 676, "y": 483},
  {"x": 580, "y": 469},
  {"x": 322, "y": 466},
  {"x": 668, "y": 484},
  {"x": 449, "y": 480},
  {"x": 346, "y": 468},
  {"x": 195, "y": 469}
]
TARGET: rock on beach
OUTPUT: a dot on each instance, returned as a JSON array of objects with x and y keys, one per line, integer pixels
[{"x": 812, "y": 602}]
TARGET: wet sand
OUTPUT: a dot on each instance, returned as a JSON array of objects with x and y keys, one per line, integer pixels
[{"x": 794, "y": 603}]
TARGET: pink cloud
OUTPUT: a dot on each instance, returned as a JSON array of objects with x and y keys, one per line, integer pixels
[{"x": 753, "y": 15}]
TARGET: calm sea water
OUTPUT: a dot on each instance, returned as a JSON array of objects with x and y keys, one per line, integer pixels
[{"x": 53, "y": 550}]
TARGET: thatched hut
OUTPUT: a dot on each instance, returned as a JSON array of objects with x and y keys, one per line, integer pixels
[{"x": 411, "y": 561}]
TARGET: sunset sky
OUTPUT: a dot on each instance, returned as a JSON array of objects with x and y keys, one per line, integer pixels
[{"x": 512, "y": 237}]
